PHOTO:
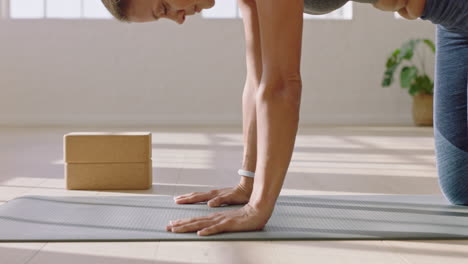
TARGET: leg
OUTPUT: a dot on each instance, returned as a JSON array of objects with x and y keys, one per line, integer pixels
[{"x": 450, "y": 114}]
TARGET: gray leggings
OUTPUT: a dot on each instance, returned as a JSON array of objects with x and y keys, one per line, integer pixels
[{"x": 451, "y": 95}]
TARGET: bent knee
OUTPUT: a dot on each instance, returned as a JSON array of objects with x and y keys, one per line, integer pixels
[
  {"x": 455, "y": 195},
  {"x": 453, "y": 180},
  {"x": 452, "y": 168}
]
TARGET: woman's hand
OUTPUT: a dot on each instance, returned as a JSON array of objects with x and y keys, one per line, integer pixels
[
  {"x": 246, "y": 218},
  {"x": 236, "y": 195},
  {"x": 409, "y": 9}
]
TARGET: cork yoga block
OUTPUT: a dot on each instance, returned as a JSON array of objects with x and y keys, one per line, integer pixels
[
  {"x": 108, "y": 160},
  {"x": 109, "y": 176},
  {"x": 102, "y": 147}
]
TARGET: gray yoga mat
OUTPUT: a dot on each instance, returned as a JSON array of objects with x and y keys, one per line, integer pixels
[{"x": 141, "y": 218}]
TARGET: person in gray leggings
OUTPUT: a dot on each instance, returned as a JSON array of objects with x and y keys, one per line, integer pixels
[
  {"x": 450, "y": 95},
  {"x": 450, "y": 84}
]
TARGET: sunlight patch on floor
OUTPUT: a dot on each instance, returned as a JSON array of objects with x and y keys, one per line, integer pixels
[{"x": 175, "y": 138}]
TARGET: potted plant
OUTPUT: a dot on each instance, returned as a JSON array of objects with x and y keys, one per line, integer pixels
[{"x": 414, "y": 78}]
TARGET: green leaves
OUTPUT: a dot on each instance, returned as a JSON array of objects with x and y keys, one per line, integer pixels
[
  {"x": 407, "y": 49},
  {"x": 409, "y": 75},
  {"x": 422, "y": 84},
  {"x": 392, "y": 63},
  {"x": 429, "y": 43},
  {"x": 394, "y": 60}
]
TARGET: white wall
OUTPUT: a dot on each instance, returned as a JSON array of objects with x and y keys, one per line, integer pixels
[{"x": 98, "y": 72}]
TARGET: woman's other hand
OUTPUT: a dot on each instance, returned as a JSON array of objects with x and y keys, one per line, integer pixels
[
  {"x": 409, "y": 9},
  {"x": 239, "y": 194}
]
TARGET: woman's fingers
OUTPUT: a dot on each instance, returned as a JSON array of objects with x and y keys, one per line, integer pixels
[
  {"x": 186, "y": 195},
  {"x": 213, "y": 216},
  {"x": 190, "y": 227},
  {"x": 195, "y": 197},
  {"x": 187, "y": 221},
  {"x": 213, "y": 229},
  {"x": 220, "y": 200},
  {"x": 215, "y": 202}
]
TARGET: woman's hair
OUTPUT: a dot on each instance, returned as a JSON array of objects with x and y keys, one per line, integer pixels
[{"x": 117, "y": 8}]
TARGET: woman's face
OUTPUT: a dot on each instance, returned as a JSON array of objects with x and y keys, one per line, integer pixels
[{"x": 152, "y": 10}]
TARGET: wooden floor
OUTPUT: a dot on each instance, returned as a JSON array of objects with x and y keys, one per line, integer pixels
[{"x": 326, "y": 160}]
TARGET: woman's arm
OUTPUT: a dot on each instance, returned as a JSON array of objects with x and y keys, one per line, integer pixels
[
  {"x": 273, "y": 65},
  {"x": 278, "y": 97},
  {"x": 253, "y": 58}
]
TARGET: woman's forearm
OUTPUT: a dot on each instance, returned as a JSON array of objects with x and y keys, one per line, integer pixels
[
  {"x": 249, "y": 129},
  {"x": 277, "y": 125}
]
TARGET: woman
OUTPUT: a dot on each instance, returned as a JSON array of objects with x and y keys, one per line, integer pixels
[{"x": 272, "y": 96}]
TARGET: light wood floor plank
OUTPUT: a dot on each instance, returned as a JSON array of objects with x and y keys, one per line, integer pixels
[
  {"x": 18, "y": 253},
  {"x": 102, "y": 253},
  {"x": 431, "y": 252},
  {"x": 222, "y": 252},
  {"x": 350, "y": 252}
]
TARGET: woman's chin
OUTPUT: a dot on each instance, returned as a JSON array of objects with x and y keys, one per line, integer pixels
[{"x": 212, "y": 3}]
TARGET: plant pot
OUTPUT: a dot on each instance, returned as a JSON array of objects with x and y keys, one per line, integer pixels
[{"x": 423, "y": 109}]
